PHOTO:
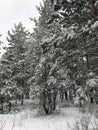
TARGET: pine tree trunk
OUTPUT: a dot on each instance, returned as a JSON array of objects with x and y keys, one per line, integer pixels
[
  {"x": 2, "y": 101},
  {"x": 66, "y": 96},
  {"x": 2, "y": 107},
  {"x": 47, "y": 107},
  {"x": 94, "y": 8},
  {"x": 54, "y": 101},
  {"x": 10, "y": 106},
  {"x": 27, "y": 95},
  {"x": 22, "y": 97},
  {"x": 88, "y": 65},
  {"x": 47, "y": 102}
]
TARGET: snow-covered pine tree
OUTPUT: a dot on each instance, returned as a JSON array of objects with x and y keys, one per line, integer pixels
[
  {"x": 42, "y": 82},
  {"x": 14, "y": 62}
]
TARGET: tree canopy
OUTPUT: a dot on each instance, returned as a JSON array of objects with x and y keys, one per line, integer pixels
[{"x": 57, "y": 57}]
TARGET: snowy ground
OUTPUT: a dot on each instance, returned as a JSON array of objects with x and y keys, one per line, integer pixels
[{"x": 29, "y": 120}]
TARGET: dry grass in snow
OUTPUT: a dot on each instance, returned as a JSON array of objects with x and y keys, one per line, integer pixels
[{"x": 29, "y": 120}]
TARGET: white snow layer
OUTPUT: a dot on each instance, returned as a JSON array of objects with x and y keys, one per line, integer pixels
[
  {"x": 94, "y": 26},
  {"x": 28, "y": 121}
]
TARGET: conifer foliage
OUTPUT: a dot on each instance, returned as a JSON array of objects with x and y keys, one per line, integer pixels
[
  {"x": 56, "y": 58},
  {"x": 13, "y": 63}
]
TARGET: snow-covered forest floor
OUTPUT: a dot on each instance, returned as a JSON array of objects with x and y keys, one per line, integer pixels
[{"x": 29, "y": 119}]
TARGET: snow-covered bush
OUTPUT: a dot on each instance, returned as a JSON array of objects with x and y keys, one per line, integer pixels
[{"x": 86, "y": 122}]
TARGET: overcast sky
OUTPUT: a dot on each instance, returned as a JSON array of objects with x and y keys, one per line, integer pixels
[{"x": 15, "y": 11}]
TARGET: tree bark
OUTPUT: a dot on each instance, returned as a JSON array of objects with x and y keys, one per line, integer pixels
[
  {"x": 94, "y": 8},
  {"x": 87, "y": 59},
  {"x": 22, "y": 97},
  {"x": 54, "y": 101}
]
